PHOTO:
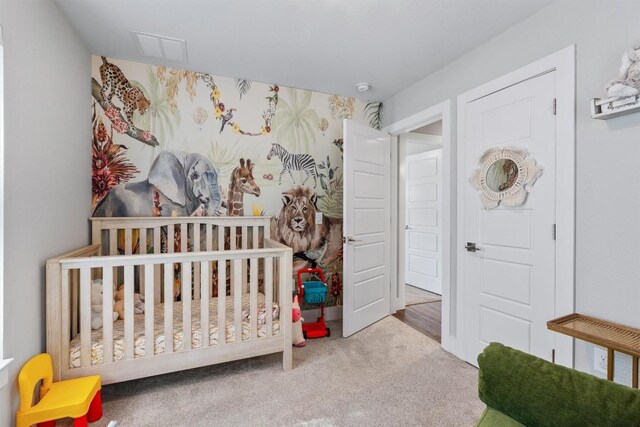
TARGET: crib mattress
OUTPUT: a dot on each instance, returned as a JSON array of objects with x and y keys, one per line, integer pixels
[{"x": 97, "y": 349}]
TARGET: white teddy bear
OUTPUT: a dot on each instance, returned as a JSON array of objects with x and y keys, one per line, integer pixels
[
  {"x": 628, "y": 83},
  {"x": 96, "y": 305}
]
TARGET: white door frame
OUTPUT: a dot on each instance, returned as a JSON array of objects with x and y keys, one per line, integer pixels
[
  {"x": 563, "y": 63},
  {"x": 441, "y": 111}
]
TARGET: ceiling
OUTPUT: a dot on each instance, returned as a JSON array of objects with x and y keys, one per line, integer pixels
[{"x": 323, "y": 45}]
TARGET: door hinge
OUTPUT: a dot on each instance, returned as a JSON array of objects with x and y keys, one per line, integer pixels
[
  {"x": 554, "y": 231},
  {"x": 553, "y": 356},
  {"x": 554, "y": 106}
]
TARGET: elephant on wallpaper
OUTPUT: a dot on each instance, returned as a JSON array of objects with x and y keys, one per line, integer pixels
[{"x": 178, "y": 184}]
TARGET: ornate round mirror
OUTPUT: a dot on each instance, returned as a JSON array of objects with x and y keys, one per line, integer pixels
[{"x": 504, "y": 176}]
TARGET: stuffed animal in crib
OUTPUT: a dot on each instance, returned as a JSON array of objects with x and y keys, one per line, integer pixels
[
  {"x": 296, "y": 317},
  {"x": 628, "y": 82},
  {"x": 96, "y": 305},
  {"x": 138, "y": 303}
]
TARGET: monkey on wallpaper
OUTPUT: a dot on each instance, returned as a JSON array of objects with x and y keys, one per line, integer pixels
[{"x": 114, "y": 81}]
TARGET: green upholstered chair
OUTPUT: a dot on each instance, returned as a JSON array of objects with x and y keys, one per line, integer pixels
[{"x": 520, "y": 389}]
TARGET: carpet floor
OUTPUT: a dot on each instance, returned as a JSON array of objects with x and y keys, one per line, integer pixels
[{"x": 386, "y": 375}]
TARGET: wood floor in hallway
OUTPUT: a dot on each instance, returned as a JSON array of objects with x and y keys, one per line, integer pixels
[{"x": 425, "y": 318}]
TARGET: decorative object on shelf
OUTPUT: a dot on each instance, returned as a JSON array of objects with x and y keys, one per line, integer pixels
[
  {"x": 505, "y": 175},
  {"x": 623, "y": 93},
  {"x": 628, "y": 82}
]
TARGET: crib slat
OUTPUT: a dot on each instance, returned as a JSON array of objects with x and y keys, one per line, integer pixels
[
  {"x": 107, "y": 323},
  {"x": 170, "y": 237},
  {"x": 186, "y": 304},
  {"x": 85, "y": 316},
  {"x": 113, "y": 241},
  {"x": 205, "y": 286},
  {"x": 196, "y": 266},
  {"x": 209, "y": 234},
  {"x": 253, "y": 295},
  {"x": 128, "y": 312},
  {"x": 149, "y": 331},
  {"x": 184, "y": 237},
  {"x": 157, "y": 246},
  {"x": 222, "y": 301},
  {"x": 255, "y": 234},
  {"x": 232, "y": 272},
  {"x": 284, "y": 289},
  {"x": 142, "y": 249},
  {"x": 128, "y": 245},
  {"x": 65, "y": 318},
  {"x": 75, "y": 311},
  {"x": 245, "y": 242},
  {"x": 268, "y": 294},
  {"x": 221, "y": 238},
  {"x": 237, "y": 299},
  {"x": 168, "y": 308}
]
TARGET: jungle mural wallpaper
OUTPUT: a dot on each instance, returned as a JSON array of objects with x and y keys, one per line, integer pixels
[{"x": 173, "y": 142}]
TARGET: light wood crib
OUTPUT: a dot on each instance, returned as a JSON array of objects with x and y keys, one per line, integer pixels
[{"x": 227, "y": 269}]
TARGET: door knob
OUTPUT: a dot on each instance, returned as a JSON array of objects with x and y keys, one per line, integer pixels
[
  {"x": 349, "y": 239},
  {"x": 471, "y": 247},
  {"x": 406, "y": 227}
]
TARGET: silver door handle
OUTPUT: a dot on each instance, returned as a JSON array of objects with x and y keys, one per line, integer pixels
[
  {"x": 471, "y": 247},
  {"x": 350, "y": 239},
  {"x": 406, "y": 227}
]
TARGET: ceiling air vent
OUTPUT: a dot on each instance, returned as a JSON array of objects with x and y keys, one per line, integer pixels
[{"x": 162, "y": 47}]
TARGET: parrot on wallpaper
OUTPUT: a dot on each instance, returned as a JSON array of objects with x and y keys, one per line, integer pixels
[{"x": 226, "y": 118}]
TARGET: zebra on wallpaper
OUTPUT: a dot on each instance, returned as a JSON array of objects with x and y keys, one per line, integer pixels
[{"x": 294, "y": 162}]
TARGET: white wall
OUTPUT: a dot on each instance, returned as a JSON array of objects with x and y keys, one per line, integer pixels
[
  {"x": 420, "y": 142},
  {"x": 47, "y": 168},
  {"x": 608, "y": 152}
]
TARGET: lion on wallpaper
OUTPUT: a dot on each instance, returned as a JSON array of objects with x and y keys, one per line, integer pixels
[
  {"x": 297, "y": 229},
  {"x": 296, "y": 223}
]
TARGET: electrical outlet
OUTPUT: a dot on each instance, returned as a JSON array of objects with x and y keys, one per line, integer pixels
[
  {"x": 318, "y": 218},
  {"x": 600, "y": 361}
]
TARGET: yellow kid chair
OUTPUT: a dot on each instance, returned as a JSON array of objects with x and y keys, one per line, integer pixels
[{"x": 78, "y": 398}]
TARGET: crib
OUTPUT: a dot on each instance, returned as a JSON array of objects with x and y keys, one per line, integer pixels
[{"x": 234, "y": 285}]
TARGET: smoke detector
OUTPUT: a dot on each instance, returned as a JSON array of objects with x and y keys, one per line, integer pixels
[
  {"x": 363, "y": 86},
  {"x": 162, "y": 47}
]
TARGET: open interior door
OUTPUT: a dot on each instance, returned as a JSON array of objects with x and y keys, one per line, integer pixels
[{"x": 367, "y": 226}]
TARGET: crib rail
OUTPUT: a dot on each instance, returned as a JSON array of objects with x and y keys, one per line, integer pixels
[{"x": 69, "y": 281}]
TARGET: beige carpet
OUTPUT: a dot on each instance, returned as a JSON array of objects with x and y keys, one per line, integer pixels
[
  {"x": 387, "y": 375},
  {"x": 415, "y": 295}
]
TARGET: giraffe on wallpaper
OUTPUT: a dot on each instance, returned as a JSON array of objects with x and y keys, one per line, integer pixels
[{"x": 242, "y": 181}]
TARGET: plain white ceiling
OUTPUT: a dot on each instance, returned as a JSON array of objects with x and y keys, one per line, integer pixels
[{"x": 322, "y": 45}]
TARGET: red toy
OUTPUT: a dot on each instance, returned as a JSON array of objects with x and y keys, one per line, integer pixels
[{"x": 316, "y": 294}]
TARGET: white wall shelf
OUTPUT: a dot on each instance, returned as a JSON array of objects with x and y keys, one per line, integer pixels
[{"x": 609, "y": 108}]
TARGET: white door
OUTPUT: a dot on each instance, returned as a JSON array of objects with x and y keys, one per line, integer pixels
[
  {"x": 367, "y": 224},
  {"x": 509, "y": 283},
  {"x": 423, "y": 230}
]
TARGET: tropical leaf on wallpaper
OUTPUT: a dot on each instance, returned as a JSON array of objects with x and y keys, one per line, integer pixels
[
  {"x": 342, "y": 107},
  {"x": 373, "y": 112},
  {"x": 295, "y": 122},
  {"x": 330, "y": 203},
  {"x": 172, "y": 78},
  {"x": 160, "y": 118},
  {"x": 243, "y": 86},
  {"x": 224, "y": 158}
]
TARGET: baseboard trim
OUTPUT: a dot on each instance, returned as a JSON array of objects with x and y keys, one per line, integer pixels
[{"x": 330, "y": 313}]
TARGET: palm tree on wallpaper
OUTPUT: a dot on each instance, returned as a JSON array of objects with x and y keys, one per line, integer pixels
[
  {"x": 295, "y": 123},
  {"x": 161, "y": 119}
]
